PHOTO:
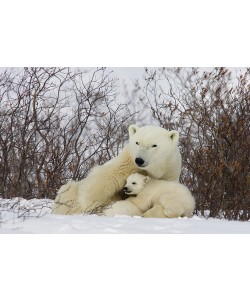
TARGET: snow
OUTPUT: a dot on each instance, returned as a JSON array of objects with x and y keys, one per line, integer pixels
[{"x": 34, "y": 216}]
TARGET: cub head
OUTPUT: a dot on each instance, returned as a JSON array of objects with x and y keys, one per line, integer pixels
[
  {"x": 152, "y": 146},
  {"x": 135, "y": 184}
]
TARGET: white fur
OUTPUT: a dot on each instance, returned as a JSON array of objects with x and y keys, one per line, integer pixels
[
  {"x": 154, "y": 198},
  {"x": 104, "y": 183},
  {"x": 162, "y": 161}
]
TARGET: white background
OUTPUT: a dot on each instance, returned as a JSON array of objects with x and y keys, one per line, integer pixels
[{"x": 117, "y": 34}]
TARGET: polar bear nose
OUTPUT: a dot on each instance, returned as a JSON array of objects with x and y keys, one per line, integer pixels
[
  {"x": 126, "y": 190},
  {"x": 139, "y": 161}
]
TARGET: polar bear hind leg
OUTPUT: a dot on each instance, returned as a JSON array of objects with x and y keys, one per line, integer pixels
[
  {"x": 155, "y": 212},
  {"x": 66, "y": 198},
  {"x": 172, "y": 208}
]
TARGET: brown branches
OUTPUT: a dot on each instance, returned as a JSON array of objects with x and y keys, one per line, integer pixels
[
  {"x": 211, "y": 110},
  {"x": 55, "y": 124}
]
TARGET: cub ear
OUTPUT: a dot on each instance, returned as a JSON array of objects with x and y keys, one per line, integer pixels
[
  {"x": 132, "y": 129},
  {"x": 146, "y": 179},
  {"x": 174, "y": 135}
]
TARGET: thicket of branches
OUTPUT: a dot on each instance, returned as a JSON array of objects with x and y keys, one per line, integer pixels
[
  {"x": 211, "y": 110},
  {"x": 56, "y": 123}
]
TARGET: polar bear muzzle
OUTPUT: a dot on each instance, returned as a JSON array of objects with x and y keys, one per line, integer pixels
[
  {"x": 140, "y": 162},
  {"x": 127, "y": 191}
]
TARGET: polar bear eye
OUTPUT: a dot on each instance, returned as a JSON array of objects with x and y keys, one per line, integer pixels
[
  {"x": 154, "y": 146},
  {"x": 133, "y": 182},
  {"x": 137, "y": 143}
]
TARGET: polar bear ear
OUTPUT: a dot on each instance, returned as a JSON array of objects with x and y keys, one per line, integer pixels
[
  {"x": 132, "y": 129},
  {"x": 146, "y": 179},
  {"x": 174, "y": 135}
]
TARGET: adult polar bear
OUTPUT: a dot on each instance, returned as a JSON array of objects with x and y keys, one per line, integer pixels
[{"x": 151, "y": 149}]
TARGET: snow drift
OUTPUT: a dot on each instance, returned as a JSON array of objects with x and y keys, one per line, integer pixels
[{"x": 18, "y": 215}]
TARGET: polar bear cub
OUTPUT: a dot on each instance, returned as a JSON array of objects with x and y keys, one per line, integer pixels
[{"x": 154, "y": 198}]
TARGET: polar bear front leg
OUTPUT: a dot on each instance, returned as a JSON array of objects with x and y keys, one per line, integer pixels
[{"x": 122, "y": 207}]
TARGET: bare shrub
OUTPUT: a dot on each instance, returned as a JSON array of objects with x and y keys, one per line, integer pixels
[
  {"x": 211, "y": 111},
  {"x": 56, "y": 123}
]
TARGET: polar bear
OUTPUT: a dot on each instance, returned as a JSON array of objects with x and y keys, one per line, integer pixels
[
  {"x": 151, "y": 150},
  {"x": 154, "y": 198}
]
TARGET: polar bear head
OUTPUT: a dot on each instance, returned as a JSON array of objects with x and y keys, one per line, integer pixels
[
  {"x": 152, "y": 148},
  {"x": 135, "y": 184}
]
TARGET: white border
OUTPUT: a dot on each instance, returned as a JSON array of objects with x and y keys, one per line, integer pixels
[{"x": 124, "y": 33}]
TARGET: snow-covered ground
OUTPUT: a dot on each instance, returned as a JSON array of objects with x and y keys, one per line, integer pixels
[{"x": 34, "y": 216}]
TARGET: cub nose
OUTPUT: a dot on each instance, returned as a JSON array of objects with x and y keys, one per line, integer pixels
[
  {"x": 139, "y": 161},
  {"x": 125, "y": 189}
]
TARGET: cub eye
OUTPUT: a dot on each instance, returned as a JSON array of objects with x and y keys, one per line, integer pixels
[
  {"x": 137, "y": 143},
  {"x": 154, "y": 146},
  {"x": 133, "y": 182}
]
